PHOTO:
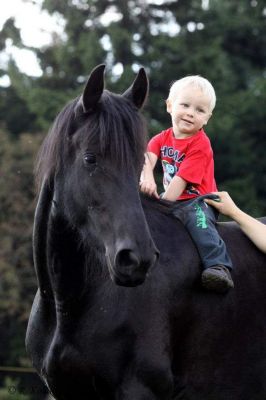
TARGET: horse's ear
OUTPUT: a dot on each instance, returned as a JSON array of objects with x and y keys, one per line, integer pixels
[
  {"x": 138, "y": 91},
  {"x": 93, "y": 89}
]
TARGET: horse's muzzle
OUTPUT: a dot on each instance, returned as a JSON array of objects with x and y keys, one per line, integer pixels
[{"x": 130, "y": 269}]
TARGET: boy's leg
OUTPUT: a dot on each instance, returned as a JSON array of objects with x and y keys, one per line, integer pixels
[{"x": 200, "y": 220}]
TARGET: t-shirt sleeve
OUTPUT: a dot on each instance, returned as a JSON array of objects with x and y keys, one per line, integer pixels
[
  {"x": 192, "y": 169},
  {"x": 154, "y": 145}
]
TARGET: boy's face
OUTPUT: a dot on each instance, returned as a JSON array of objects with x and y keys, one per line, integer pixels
[{"x": 190, "y": 111}]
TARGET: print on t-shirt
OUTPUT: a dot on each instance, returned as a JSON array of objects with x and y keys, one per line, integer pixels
[{"x": 169, "y": 171}]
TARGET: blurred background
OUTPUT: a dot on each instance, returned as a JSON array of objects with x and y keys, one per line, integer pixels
[{"x": 47, "y": 50}]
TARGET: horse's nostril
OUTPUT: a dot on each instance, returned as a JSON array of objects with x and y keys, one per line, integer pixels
[
  {"x": 130, "y": 269},
  {"x": 126, "y": 258}
]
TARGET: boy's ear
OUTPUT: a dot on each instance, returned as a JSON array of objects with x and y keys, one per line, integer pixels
[
  {"x": 207, "y": 119},
  {"x": 168, "y": 106}
]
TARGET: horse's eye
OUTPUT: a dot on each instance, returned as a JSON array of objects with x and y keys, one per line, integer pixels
[{"x": 90, "y": 158}]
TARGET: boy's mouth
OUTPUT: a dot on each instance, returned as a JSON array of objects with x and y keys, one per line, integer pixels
[{"x": 187, "y": 121}]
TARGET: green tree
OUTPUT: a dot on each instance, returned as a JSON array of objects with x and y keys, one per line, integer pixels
[
  {"x": 17, "y": 205},
  {"x": 10, "y": 391},
  {"x": 18, "y": 282}
]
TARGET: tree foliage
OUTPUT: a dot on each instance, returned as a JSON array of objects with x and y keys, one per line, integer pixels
[{"x": 18, "y": 282}]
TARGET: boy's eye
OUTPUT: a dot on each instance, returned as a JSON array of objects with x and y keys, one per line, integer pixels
[
  {"x": 201, "y": 110},
  {"x": 184, "y": 104}
]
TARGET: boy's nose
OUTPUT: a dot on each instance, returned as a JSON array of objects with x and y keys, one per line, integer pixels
[{"x": 190, "y": 112}]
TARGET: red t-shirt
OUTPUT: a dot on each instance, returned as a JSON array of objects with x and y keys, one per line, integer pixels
[{"x": 190, "y": 158}]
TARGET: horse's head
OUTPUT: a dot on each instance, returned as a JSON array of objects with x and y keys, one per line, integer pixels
[{"x": 94, "y": 155}]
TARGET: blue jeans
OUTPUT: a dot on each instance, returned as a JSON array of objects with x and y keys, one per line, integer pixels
[{"x": 200, "y": 220}]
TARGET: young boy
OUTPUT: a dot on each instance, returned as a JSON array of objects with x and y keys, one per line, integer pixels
[{"x": 187, "y": 159}]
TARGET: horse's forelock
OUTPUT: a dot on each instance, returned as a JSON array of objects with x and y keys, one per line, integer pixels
[
  {"x": 119, "y": 129},
  {"x": 116, "y": 125}
]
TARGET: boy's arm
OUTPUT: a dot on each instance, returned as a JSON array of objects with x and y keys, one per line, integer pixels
[
  {"x": 147, "y": 182},
  {"x": 175, "y": 188}
]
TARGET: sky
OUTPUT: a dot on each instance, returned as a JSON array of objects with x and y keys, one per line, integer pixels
[{"x": 36, "y": 28}]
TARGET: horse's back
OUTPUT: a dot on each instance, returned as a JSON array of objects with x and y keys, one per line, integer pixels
[
  {"x": 219, "y": 346},
  {"x": 225, "y": 356}
]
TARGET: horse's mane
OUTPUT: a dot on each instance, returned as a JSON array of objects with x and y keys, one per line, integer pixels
[
  {"x": 163, "y": 206},
  {"x": 115, "y": 124}
]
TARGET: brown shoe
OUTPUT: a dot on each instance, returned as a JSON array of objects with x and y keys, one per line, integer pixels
[{"x": 217, "y": 279}]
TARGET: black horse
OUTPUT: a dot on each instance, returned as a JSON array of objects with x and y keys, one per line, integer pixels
[{"x": 112, "y": 319}]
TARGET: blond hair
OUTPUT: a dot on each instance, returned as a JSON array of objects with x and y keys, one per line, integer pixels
[{"x": 194, "y": 80}]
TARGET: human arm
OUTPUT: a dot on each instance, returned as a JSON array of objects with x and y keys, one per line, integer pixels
[
  {"x": 254, "y": 229},
  {"x": 147, "y": 182},
  {"x": 175, "y": 188}
]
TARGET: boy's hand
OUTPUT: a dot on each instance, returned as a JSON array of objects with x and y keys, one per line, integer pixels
[
  {"x": 149, "y": 187},
  {"x": 147, "y": 182}
]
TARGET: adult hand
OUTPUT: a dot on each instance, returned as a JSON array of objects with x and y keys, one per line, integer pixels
[{"x": 225, "y": 204}]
